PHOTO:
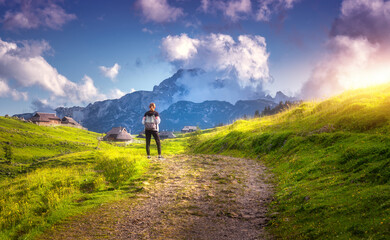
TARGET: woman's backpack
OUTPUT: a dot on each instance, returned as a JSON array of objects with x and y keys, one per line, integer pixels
[{"x": 150, "y": 123}]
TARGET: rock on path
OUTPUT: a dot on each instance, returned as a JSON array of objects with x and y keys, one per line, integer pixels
[{"x": 185, "y": 197}]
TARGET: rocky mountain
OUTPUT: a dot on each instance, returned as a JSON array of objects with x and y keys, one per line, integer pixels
[
  {"x": 208, "y": 114},
  {"x": 128, "y": 110}
]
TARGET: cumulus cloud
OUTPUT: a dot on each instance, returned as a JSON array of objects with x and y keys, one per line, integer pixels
[
  {"x": 268, "y": 7},
  {"x": 42, "y": 105},
  {"x": 179, "y": 47},
  {"x": 261, "y": 10},
  {"x": 110, "y": 72},
  {"x": 231, "y": 70},
  {"x": 159, "y": 11},
  {"x": 364, "y": 18},
  {"x": 245, "y": 59},
  {"x": 212, "y": 85},
  {"x": 25, "y": 66},
  {"x": 358, "y": 50},
  {"x": 85, "y": 92},
  {"x": 233, "y": 9},
  {"x": 6, "y": 91},
  {"x": 116, "y": 93},
  {"x": 33, "y": 14},
  {"x": 3, "y": 89}
]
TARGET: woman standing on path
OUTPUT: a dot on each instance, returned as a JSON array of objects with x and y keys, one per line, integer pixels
[{"x": 151, "y": 120}]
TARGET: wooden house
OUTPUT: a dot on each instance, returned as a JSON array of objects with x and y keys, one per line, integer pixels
[
  {"x": 45, "y": 119},
  {"x": 70, "y": 122},
  {"x": 188, "y": 129},
  {"x": 118, "y": 134},
  {"x": 166, "y": 134}
]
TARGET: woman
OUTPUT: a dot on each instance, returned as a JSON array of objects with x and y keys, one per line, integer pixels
[{"x": 151, "y": 120}]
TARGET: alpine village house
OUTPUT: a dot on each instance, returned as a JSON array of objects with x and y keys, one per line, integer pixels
[
  {"x": 118, "y": 134},
  {"x": 50, "y": 119}
]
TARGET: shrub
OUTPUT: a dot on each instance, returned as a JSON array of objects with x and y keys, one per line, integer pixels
[{"x": 116, "y": 170}]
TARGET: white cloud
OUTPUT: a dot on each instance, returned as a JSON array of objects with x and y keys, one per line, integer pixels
[
  {"x": 234, "y": 8},
  {"x": 6, "y": 91},
  {"x": 147, "y": 30},
  {"x": 179, "y": 47},
  {"x": 86, "y": 91},
  {"x": 358, "y": 51},
  {"x": 268, "y": 7},
  {"x": 110, "y": 72},
  {"x": 349, "y": 7},
  {"x": 159, "y": 11},
  {"x": 341, "y": 68},
  {"x": 33, "y": 14},
  {"x": 116, "y": 93},
  {"x": 239, "y": 9},
  {"x": 246, "y": 59},
  {"x": 205, "y": 4},
  {"x": 25, "y": 66}
]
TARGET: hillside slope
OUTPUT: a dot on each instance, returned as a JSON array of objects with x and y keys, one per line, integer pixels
[
  {"x": 331, "y": 160},
  {"x": 50, "y": 173}
]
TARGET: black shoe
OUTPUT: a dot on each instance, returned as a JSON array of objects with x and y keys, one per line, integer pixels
[
  {"x": 148, "y": 156},
  {"x": 160, "y": 157}
]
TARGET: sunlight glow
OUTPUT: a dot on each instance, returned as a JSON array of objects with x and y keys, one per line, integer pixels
[{"x": 378, "y": 73}]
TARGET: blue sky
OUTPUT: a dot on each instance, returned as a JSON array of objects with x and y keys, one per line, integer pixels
[{"x": 65, "y": 53}]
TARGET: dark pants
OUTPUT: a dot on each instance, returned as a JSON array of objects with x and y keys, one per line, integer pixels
[{"x": 156, "y": 137}]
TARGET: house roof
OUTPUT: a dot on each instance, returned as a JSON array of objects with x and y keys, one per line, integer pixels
[
  {"x": 124, "y": 136},
  {"x": 69, "y": 120},
  {"x": 167, "y": 134},
  {"x": 44, "y": 117},
  {"x": 116, "y": 130},
  {"x": 119, "y": 133},
  {"x": 189, "y": 128}
]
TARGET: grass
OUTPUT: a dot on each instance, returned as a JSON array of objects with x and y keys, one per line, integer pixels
[
  {"x": 57, "y": 172},
  {"x": 330, "y": 160}
]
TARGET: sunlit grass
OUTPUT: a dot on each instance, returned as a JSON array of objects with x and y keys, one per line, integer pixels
[
  {"x": 57, "y": 172},
  {"x": 331, "y": 161}
]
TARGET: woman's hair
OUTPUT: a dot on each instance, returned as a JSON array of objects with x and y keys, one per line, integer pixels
[{"x": 152, "y": 105}]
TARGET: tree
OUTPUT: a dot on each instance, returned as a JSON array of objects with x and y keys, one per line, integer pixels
[{"x": 257, "y": 114}]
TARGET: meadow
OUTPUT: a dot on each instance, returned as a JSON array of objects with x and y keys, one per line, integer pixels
[
  {"x": 330, "y": 159},
  {"x": 51, "y": 173}
]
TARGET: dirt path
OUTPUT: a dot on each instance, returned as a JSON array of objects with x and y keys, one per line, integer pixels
[{"x": 186, "y": 197}]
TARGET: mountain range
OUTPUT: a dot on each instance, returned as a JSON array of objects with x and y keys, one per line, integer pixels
[{"x": 128, "y": 110}]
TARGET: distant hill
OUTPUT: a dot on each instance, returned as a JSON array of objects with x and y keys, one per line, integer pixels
[{"x": 128, "y": 110}]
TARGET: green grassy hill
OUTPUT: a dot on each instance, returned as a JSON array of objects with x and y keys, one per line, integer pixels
[
  {"x": 331, "y": 161},
  {"x": 56, "y": 172}
]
